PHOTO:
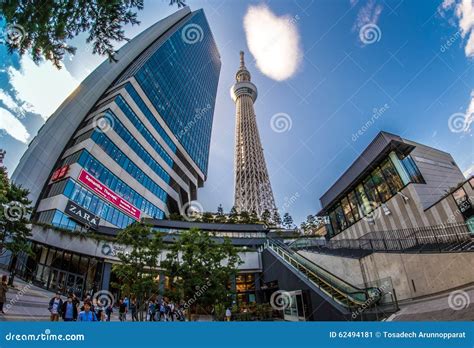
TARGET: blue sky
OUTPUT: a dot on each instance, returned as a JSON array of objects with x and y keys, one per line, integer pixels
[{"x": 409, "y": 76}]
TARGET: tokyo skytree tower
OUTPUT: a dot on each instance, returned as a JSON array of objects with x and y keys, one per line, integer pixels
[{"x": 253, "y": 191}]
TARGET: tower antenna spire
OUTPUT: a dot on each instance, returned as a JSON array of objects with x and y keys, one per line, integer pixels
[
  {"x": 242, "y": 62},
  {"x": 253, "y": 191}
]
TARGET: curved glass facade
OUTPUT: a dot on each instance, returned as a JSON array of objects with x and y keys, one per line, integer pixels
[{"x": 180, "y": 78}]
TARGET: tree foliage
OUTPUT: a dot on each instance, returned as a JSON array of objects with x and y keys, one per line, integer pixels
[
  {"x": 138, "y": 271},
  {"x": 200, "y": 269},
  {"x": 44, "y": 28},
  {"x": 287, "y": 220},
  {"x": 14, "y": 224}
]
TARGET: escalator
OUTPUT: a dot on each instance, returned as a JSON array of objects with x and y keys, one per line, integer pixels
[{"x": 328, "y": 289}]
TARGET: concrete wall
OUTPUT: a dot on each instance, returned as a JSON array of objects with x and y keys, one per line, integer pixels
[
  {"x": 439, "y": 171},
  {"x": 412, "y": 275}
]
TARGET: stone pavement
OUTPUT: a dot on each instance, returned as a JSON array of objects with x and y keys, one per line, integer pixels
[
  {"x": 457, "y": 305},
  {"x": 27, "y": 302}
]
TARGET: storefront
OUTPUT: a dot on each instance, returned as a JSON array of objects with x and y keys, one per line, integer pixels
[{"x": 61, "y": 270}]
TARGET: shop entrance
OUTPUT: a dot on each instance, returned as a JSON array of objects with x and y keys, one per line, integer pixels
[
  {"x": 63, "y": 281},
  {"x": 295, "y": 311}
]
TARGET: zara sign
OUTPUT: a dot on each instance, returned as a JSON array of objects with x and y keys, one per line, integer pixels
[{"x": 82, "y": 215}]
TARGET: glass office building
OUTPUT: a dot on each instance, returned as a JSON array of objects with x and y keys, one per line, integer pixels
[
  {"x": 131, "y": 142},
  {"x": 142, "y": 149}
]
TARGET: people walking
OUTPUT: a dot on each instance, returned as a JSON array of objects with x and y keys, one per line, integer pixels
[
  {"x": 151, "y": 310},
  {"x": 134, "y": 309},
  {"x": 55, "y": 306},
  {"x": 87, "y": 314},
  {"x": 3, "y": 292},
  {"x": 122, "y": 310},
  {"x": 109, "y": 310},
  {"x": 69, "y": 310},
  {"x": 162, "y": 310},
  {"x": 98, "y": 310}
]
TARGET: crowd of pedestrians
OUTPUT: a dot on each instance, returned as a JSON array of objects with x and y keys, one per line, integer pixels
[
  {"x": 162, "y": 310},
  {"x": 92, "y": 310}
]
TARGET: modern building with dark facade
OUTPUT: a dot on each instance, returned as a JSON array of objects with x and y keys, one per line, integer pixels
[
  {"x": 130, "y": 143},
  {"x": 397, "y": 184}
]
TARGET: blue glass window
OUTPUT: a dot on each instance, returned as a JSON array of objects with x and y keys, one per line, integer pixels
[{"x": 180, "y": 79}]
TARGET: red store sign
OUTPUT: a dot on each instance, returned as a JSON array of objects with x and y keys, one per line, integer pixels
[{"x": 108, "y": 194}]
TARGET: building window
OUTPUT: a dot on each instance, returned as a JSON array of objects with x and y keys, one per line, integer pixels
[
  {"x": 381, "y": 185},
  {"x": 462, "y": 200},
  {"x": 346, "y": 208},
  {"x": 354, "y": 205},
  {"x": 371, "y": 191},
  {"x": 391, "y": 176},
  {"x": 471, "y": 181},
  {"x": 341, "y": 221},
  {"x": 412, "y": 170}
]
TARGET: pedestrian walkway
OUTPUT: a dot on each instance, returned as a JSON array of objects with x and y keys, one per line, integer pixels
[{"x": 457, "y": 305}]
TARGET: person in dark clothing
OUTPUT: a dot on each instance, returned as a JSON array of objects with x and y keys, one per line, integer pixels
[
  {"x": 122, "y": 310},
  {"x": 55, "y": 307},
  {"x": 3, "y": 292},
  {"x": 69, "y": 310},
  {"x": 108, "y": 311},
  {"x": 134, "y": 309}
]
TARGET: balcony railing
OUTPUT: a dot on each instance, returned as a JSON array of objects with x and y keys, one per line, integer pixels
[{"x": 441, "y": 238}]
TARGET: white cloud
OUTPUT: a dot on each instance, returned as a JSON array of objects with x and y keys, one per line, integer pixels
[
  {"x": 11, "y": 104},
  {"x": 42, "y": 86},
  {"x": 13, "y": 126},
  {"x": 464, "y": 11},
  {"x": 469, "y": 118},
  {"x": 469, "y": 171},
  {"x": 368, "y": 14},
  {"x": 274, "y": 42}
]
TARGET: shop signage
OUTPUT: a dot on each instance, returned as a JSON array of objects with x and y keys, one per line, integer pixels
[
  {"x": 102, "y": 190},
  {"x": 60, "y": 173},
  {"x": 82, "y": 215}
]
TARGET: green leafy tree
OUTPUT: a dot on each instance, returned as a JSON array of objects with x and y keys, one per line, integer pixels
[
  {"x": 200, "y": 270},
  {"x": 244, "y": 217},
  {"x": 175, "y": 217},
  {"x": 266, "y": 217},
  {"x": 138, "y": 270},
  {"x": 44, "y": 28},
  {"x": 233, "y": 216},
  {"x": 276, "y": 218},
  {"x": 253, "y": 218},
  {"x": 207, "y": 217},
  {"x": 14, "y": 221},
  {"x": 220, "y": 210},
  {"x": 287, "y": 220}
]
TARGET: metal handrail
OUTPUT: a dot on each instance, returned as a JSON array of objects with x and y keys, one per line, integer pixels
[{"x": 347, "y": 295}]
